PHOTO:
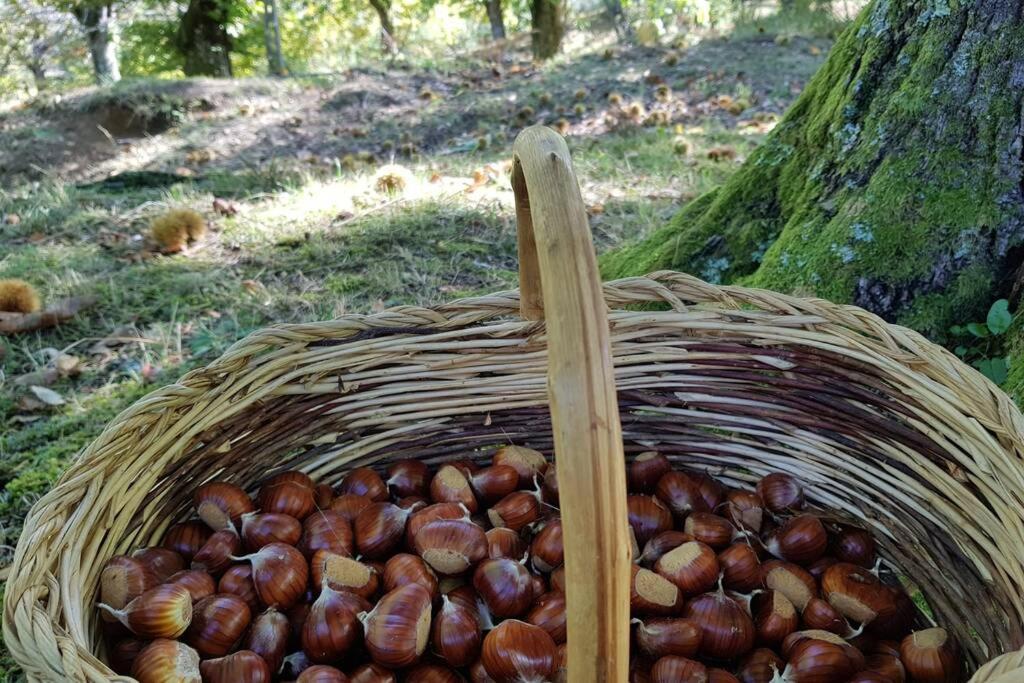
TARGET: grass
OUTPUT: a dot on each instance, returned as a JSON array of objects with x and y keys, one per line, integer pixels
[{"x": 314, "y": 241}]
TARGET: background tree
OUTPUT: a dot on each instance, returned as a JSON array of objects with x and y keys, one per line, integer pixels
[
  {"x": 548, "y": 20},
  {"x": 895, "y": 182},
  {"x": 387, "y": 28},
  {"x": 203, "y": 38},
  {"x": 35, "y": 38},
  {"x": 495, "y": 17},
  {"x": 272, "y": 37},
  {"x": 99, "y": 22}
]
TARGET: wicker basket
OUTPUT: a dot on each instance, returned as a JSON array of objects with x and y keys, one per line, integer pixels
[{"x": 884, "y": 426}]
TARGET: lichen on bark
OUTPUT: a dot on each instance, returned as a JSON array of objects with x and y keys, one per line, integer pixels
[{"x": 894, "y": 181}]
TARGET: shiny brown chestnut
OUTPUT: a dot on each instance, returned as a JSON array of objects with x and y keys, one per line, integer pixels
[
  {"x": 693, "y": 567},
  {"x": 791, "y": 580},
  {"x": 774, "y": 616},
  {"x": 673, "y": 669},
  {"x": 167, "y": 661},
  {"x": 364, "y": 481},
  {"x": 855, "y": 592},
  {"x": 855, "y": 546},
  {"x": 745, "y": 510},
  {"x": 332, "y": 626},
  {"x": 681, "y": 493},
  {"x": 349, "y": 505},
  {"x": 408, "y": 478},
  {"x": 243, "y": 665},
  {"x": 279, "y": 574},
  {"x": 781, "y": 492},
  {"x": 516, "y": 510},
  {"x": 762, "y": 665},
  {"x": 820, "y": 615},
  {"x": 238, "y": 581},
  {"x": 326, "y": 530},
  {"x": 122, "y": 580},
  {"x": 516, "y": 651},
  {"x": 288, "y": 493},
  {"x": 433, "y": 673},
  {"x": 398, "y": 628},
  {"x": 450, "y": 485},
  {"x": 548, "y": 612},
  {"x": 741, "y": 568},
  {"x": 342, "y": 573},
  {"x": 931, "y": 656},
  {"x": 668, "y": 636},
  {"x": 323, "y": 495},
  {"x": 456, "y": 633},
  {"x": 221, "y": 504},
  {"x": 268, "y": 637},
  {"x": 710, "y": 529},
  {"x": 651, "y": 594},
  {"x": 526, "y": 461},
  {"x": 215, "y": 555},
  {"x": 263, "y": 528},
  {"x": 728, "y": 630},
  {"x": 646, "y": 470},
  {"x": 432, "y": 513},
  {"x": 161, "y": 561},
  {"x": 123, "y": 654},
  {"x": 648, "y": 517},
  {"x": 186, "y": 538},
  {"x": 493, "y": 483},
  {"x": 547, "y": 550},
  {"x": 322, "y": 673},
  {"x": 379, "y": 530},
  {"x": 504, "y": 586},
  {"x": 503, "y": 542},
  {"x": 405, "y": 568},
  {"x": 451, "y": 546},
  {"x": 197, "y": 582},
  {"x": 372, "y": 673},
  {"x": 801, "y": 539},
  {"x": 218, "y": 623},
  {"x": 161, "y": 612}
]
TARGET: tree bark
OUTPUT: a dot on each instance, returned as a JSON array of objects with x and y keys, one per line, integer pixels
[
  {"x": 388, "y": 43},
  {"x": 203, "y": 39},
  {"x": 495, "y": 16},
  {"x": 548, "y": 17},
  {"x": 272, "y": 36},
  {"x": 617, "y": 17},
  {"x": 101, "y": 35},
  {"x": 895, "y": 181}
]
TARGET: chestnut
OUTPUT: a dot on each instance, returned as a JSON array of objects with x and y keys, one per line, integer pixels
[
  {"x": 728, "y": 631},
  {"x": 931, "y": 656},
  {"x": 218, "y": 623},
  {"x": 504, "y": 586},
  {"x": 349, "y": 505},
  {"x": 215, "y": 555},
  {"x": 668, "y": 636},
  {"x": 406, "y": 568},
  {"x": 450, "y": 485},
  {"x": 493, "y": 483},
  {"x": 398, "y": 628},
  {"x": 516, "y": 651},
  {"x": 221, "y": 505},
  {"x": 451, "y": 546},
  {"x": 238, "y": 581},
  {"x": 326, "y": 530},
  {"x": 432, "y": 513},
  {"x": 372, "y": 673},
  {"x": 161, "y": 612},
  {"x": 648, "y": 517},
  {"x": 673, "y": 669},
  {"x": 503, "y": 542},
  {"x": 760, "y": 666},
  {"x": 774, "y": 617},
  {"x": 855, "y": 546},
  {"x": 268, "y": 637},
  {"x": 661, "y": 544},
  {"x": 745, "y": 510},
  {"x": 855, "y": 592},
  {"x": 379, "y": 530},
  {"x": 288, "y": 493},
  {"x": 801, "y": 539},
  {"x": 161, "y": 561},
  {"x": 692, "y": 567},
  {"x": 321, "y": 673},
  {"x": 646, "y": 470},
  {"x": 791, "y": 580},
  {"x": 186, "y": 538},
  {"x": 546, "y": 550},
  {"x": 408, "y": 478},
  {"x": 526, "y": 461},
  {"x": 167, "y": 661},
  {"x": 197, "y": 582},
  {"x": 433, "y": 673},
  {"x": 681, "y": 493},
  {"x": 651, "y": 594},
  {"x": 456, "y": 633},
  {"x": 332, "y": 626},
  {"x": 263, "y": 528},
  {"x": 548, "y": 612},
  {"x": 781, "y": 492},
  {"x": 710, "y": 529},
  {"x": 122, "y": 580},
  {"x": 515, "y": 510},
  {"x": 741, "y": 568},
  {"x": 243, "y": 665},
  {"x": 279, "y": 574},
  {"x": 363, "y": 481}
]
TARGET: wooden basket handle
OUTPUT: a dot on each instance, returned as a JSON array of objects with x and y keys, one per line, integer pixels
[{"x": 559, "y": 281}]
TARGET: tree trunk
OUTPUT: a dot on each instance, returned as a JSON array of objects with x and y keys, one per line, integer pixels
[
  {"x": 494, "y": 15},
  {"x": 387, "y": 30},
  {"x": 895, "y": 181},
  {"x": 203, "y": 39},
  {"x": 272, "y": 36},
  {"x": 548, "y": 17},
  {"x": 101, "y": 35},
  {"x": 617, "y": 17}
]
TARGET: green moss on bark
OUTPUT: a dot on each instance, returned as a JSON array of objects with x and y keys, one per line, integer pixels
[{"x": 894, "y": 181}]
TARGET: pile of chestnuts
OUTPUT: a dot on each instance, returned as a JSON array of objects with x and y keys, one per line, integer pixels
[{"x": 456, "y": 575}]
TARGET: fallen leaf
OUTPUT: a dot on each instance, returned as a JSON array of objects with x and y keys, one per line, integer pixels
[
  {"x": 378, "y": 306},
  {"x": 44, "y": 377},
  {"x": 68, "y": 365},
  {"x": 47, "y": 396},
  {"x": 12, "y": 219},
  {"x": 30, "y": 404},
  {"x": 251, "y": 286}
]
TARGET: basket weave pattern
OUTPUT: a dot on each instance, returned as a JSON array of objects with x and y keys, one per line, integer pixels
[{"x": 880, "y": 423}]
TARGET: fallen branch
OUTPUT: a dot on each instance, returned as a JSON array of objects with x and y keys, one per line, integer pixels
[{"x": 15, "y": 323}]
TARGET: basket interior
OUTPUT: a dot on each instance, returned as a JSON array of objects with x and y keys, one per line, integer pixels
[{"x": 883, "y": 428}]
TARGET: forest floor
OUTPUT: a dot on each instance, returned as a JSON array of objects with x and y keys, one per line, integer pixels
[{"x": 313, "y": 237}]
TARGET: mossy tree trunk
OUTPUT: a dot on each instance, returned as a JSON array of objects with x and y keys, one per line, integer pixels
[
  {"x": 99, "y": 22},
  {"x": 895, "y": 181},
  {"x": 496, "y": 18},
  {"x": 203, "y": 38},
  {"x": 548, "y": 22},
  {"x": 388, "y": 43}
]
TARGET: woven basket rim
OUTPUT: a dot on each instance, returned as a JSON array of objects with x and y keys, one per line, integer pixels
[{"x": 36, "y": 635}]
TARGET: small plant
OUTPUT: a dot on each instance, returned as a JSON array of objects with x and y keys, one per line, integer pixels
[{"x": 984, "y": 343}]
